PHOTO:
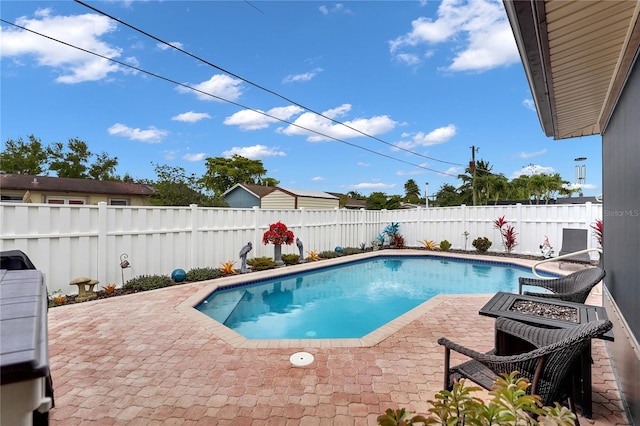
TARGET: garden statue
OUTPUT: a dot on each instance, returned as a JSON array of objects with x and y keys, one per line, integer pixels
[
  {"x": 243, "y": 257},
  {"x": 546, "y": 248},
  {"x": 300, "y": 249},
  {"x": 277, "y": 235}
]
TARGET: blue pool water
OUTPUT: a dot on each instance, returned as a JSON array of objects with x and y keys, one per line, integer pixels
[{"x": 352, "y": 299}]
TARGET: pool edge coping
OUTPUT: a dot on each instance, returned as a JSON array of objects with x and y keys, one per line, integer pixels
[{"x": 188, "y": 306}]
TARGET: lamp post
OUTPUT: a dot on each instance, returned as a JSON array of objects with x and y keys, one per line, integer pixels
[{"x": 426, "y": 195}]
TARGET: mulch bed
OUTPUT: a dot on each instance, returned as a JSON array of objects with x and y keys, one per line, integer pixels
[{"x": 71, "y": 299}]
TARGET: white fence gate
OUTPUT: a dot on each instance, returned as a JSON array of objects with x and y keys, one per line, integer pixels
[{"x": 66, "y": 242}]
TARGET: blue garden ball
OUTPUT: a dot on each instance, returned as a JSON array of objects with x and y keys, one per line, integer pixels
[
  {"x": 178, "y": 275},
  {"x": 338, "y": 249}
]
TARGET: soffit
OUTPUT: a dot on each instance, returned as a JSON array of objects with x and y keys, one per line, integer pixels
[{"x": 577, "y": 55}]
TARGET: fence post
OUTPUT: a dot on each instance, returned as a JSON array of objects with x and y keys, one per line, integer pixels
[
  {"x": 465, "y": 235},
  {"x": 519, "y": 223},
  {"x": 303, "y": 221},
  {"x": 195, "y": 236},
  {"x": 102, "y": 259},
  {"x": 257, "y": 236}
]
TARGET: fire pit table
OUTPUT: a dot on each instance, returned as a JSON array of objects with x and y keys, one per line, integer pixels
[{"x": 543, "y": 312}]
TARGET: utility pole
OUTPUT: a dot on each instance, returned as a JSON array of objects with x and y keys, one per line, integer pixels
[{"x": 472, "y": 166}]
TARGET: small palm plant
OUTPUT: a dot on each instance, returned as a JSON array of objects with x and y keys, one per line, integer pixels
[
  {"x": 430, "y": 245},
  {"x": 109, "y": 288},
  {"x": 313, "y": 256},
  {"x": 227, "y": 267}
]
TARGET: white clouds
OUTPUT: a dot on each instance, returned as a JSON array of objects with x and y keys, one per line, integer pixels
[
  {"x": 409, "y": 173},
  {"x": 318, "y": 179},
  {"x": 371, "y": 185},
  {"x": 436, "y": 136},
  {"x": 163, "y": 46},
  {"x": 151, "y": 135},
  {"x": 479, "y": 27},
  {"x": 529, "y": 104},
  {"x": 533, "y": 169},
  {"x": 194, "y": 157},
  {"x": 191, "y": 117},
  {"x": 219, "y": 85},
  {"x": 255, "y": 152},
  {"x": 362, "y": 164},
  {"x": 523, "y": 154},
  {"x": 302, "y": 77},
  {"x": 372, "y": 126},
  {"x": 72, "y": 65},
  {"x": 579, "y": 186},
  {"x": 335, "y": 8},
  {"x": 252, "y": 120}
]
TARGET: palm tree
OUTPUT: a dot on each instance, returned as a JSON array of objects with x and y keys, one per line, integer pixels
[
  {"x": 411, "y": 192},
  {"x": 469, "y": 187}
]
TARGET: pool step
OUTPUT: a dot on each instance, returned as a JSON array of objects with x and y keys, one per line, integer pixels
[{"x": 244, "y": 295}]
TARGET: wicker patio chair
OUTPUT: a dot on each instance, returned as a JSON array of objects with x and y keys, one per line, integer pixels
[
  {"x": 574, "y": 287},
  {"x": 548, "y": 365}
]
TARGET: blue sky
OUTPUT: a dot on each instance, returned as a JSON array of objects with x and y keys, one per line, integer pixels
[{"x": 421, "y": 81}]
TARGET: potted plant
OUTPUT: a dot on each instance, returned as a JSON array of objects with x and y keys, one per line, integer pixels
[{"x": 277, "y": 235}]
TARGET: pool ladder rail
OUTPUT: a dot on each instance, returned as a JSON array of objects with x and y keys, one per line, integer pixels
[{"x": 557, "y": 258}]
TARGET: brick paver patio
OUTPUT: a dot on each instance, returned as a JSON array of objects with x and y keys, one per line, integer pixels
[{"x": 140, "y": 360}]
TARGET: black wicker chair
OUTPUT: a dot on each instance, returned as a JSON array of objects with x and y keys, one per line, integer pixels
[
  {"x": 548, "y": 365},
  {"x": 574, "y": 287}
]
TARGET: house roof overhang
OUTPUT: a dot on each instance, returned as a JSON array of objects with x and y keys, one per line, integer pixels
[{"x": 577, "y": 56}]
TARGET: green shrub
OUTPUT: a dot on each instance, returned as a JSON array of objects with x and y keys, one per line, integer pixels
[
  {"x": 445, "y": 245},
  {"x": 261, "y": 263},
  {"x": 203, "y": 274},
  {"x": 148, "y": 282},
  {"x": 290, "y": 259},
  {"x": 329, "y": 254},
  {"x": 510, "y": 405},
  {"x": 481, "y": 244},
  {"x": 346, "y": 251}
]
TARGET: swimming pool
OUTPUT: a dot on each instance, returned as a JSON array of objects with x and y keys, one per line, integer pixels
[{"x": 352, "y": 299}]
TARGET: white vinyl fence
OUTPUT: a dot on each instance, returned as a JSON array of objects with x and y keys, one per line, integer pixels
[{"x": 66, "y": 242}]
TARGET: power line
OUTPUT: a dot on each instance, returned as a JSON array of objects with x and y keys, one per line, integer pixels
[
  {"x": 167, "y": 79},
  {"x": 159, "y": 40}
]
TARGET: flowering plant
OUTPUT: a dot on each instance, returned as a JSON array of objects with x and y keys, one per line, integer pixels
[
  {"x": 278, "y": 234},
  {"x": 598, "y": 231},
  {"x": 507, "y": 232}
]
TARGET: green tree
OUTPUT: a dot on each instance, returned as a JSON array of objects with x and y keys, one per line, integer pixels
[
  {"x": 174, "y": 188},
  {"x": 411, "y": 192},
  {"x": 377, "y": 201},
  {"x": 269, "y": 182},
  {"x": 491, "y": 188},
  {"x": 70, "y": 163},
  {"x": 467, "y": 189},
  {"x": 103, "y": 168},
  {"x": 222, "y": 173},
  {"x": 23, "y": 158},
  {"x": 446, "y": 196},
  {"x": 394, "y": 202}
]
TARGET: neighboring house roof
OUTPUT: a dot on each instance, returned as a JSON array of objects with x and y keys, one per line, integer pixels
[
  {"x": 350, "y": 203},
  {"x": 257, "y": 190},
  {"x": 56, "y": 184},
  {"x": 309, "y": 194},
  {"x": 577, "y": 57}
]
